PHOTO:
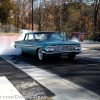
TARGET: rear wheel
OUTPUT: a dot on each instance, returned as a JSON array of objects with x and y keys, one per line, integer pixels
[
  {"x": 23, "y": 53},
  {"x": 71, "y": 56},
  {"x": 40, "y": 55}
]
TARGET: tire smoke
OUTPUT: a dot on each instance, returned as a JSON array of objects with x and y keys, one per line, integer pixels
[
  {"x": 7, "y": 46},
  {"x": 7, "y": 43}
]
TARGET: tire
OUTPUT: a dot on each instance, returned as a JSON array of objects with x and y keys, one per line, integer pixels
[
  {"x": 71, "y": 56},
  {"x": 22, "y": 53},
  {"x": 40, "y": 55}
]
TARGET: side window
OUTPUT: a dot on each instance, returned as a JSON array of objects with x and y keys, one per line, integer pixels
[{"x": 31, "y": 37}]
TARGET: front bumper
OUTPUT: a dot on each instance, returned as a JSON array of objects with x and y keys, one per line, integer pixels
[{"x": 61, "y": 53}]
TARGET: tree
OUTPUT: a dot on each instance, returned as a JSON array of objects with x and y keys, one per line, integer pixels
[
  {"x": 6, "y": 7},
  {"x": 96, "y": 10}
]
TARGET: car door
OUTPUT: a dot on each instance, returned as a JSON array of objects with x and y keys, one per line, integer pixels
[{"x": 28, "y": 43}]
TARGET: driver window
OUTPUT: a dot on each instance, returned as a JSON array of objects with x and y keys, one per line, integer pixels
[{"x": 31, "y": 37}]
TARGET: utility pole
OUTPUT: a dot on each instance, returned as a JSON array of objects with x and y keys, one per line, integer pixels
[
  {"x": 18, "y": 10},
  {"x": 32, "y": 15},
  {"x": 60, "y": 15},
  {"x": 23, "y": 15}
]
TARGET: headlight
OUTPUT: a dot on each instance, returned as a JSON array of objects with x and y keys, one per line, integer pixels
[
  {"x": 49, "y": 49},
  {"x": 78, "y": 47}
]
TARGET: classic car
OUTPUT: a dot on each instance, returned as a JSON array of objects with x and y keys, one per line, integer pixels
[{"x": 48, "y": 44}]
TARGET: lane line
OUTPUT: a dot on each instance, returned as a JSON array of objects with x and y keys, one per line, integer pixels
[
  {"x": 63, "y": 89},
  {"x": 8, "y": 91}
]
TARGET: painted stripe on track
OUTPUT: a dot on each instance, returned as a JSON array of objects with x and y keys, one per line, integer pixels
[
  {"x": 8, "y": 91},
  {"x": 63, "y": 89}
]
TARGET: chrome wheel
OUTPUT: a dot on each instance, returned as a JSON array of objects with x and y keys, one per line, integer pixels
[{"x": 40, "y": 55}]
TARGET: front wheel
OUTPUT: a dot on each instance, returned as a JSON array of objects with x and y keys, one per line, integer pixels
[
  {"x": 40, "y": 55},
  {"x": 70, "y": 56}
]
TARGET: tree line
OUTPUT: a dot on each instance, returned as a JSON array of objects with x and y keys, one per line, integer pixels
[{"x": 52, "y": 15}]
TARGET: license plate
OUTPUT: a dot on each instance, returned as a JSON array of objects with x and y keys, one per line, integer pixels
[{"x": 63, "y": 55}]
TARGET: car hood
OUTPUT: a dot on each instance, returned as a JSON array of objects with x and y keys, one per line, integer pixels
[{"x": 59, "y": 42}]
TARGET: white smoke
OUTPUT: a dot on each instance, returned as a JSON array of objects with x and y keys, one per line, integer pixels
[
  {"x": 7, "y": 48},
  {"x": 75, "y": 39},
  {"x": 10, "y": 51},
  {"x": 7, "y": 45}
]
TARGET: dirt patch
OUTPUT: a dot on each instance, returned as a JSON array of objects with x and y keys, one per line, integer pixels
[{"x": 10, "y": 34}]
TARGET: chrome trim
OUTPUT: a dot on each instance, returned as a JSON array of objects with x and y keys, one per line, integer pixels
[
  {"x": 65, "y": 48},
  {"x": 73, "y": 51}
]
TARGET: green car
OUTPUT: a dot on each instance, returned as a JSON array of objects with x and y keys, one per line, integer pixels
[{"x": 48, "y": 44}]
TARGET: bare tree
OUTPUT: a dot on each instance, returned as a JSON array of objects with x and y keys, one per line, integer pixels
[{"x": 96, "y": 10}]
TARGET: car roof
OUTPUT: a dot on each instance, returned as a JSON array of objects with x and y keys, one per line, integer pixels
[{"x": 41, "y": 32}]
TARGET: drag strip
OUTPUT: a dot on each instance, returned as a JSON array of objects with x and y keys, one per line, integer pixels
[
  {"x": 8, "y": 91},
  {"x": 61, "y": 87},
  {"x": 28, "y": 87}
]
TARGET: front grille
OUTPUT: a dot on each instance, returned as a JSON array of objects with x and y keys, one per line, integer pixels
[{"x": 64, "y": 48}]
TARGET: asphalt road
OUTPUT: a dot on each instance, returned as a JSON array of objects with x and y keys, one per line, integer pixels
[
  {"x": 26, "y": 85},
  {"x": 84, "y": 71}
]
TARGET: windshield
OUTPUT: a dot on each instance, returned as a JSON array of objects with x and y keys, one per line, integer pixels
[{"x": 47, "y": 36}]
